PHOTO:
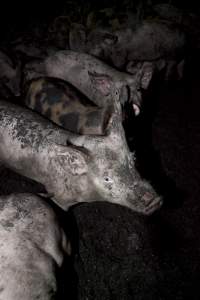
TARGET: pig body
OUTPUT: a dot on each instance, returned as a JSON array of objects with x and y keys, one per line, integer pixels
[
  {"x": 66, "y": 106},
  {"x": 97, "y": 80},
  {"x": 149, "y": 41},
  {"x": 32, "y": 248},
  {"x": 74, "y": 168}
]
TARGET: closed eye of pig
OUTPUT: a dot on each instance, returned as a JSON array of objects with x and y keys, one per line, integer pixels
[{"x": 63, "y": 104}]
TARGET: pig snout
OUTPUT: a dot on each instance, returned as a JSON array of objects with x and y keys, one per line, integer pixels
[
  {"x": 125, "y": 187},
  {"x": 148, "y": 200}
]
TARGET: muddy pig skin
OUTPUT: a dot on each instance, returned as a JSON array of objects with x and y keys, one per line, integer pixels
[
  {"x": 98, "y": 81},
  {"x": 74, "y": 168},
  {"x": 66, "y": 106},
  {"x": 32, "y": 248}
]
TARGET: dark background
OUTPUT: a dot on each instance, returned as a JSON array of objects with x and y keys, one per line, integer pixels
[{"x": 23, "y": 13}]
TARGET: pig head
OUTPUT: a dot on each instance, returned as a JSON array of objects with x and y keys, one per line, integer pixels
[
  {"x": 112, "y": 169},
  {"x": 97, "y": 80},
  {"x": 74, "y": 168}
]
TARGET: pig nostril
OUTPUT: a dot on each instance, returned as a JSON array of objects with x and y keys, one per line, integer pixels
[{"x": 147, "y": 197}]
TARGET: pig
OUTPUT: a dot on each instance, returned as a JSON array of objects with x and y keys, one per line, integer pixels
[
  {"x": 10, "y": 74},
  {"x": 74, "y": 168},
  {"x": 60, "y": 102},
  {"x": 148, "y": 41},
  {"x": 33, "y": 248},
  {"x": 97, "y": 80}
]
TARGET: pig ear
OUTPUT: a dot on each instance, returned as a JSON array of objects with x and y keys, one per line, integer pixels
[
  {"x": 70, "y": 158},
  {"x": 146, "y": 75},
  {"x": 102, "y": 82}
]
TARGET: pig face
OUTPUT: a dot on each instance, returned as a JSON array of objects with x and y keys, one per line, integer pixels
[
  {"x": 112, "y": 173},
  {"x": 99, "y": 169}
]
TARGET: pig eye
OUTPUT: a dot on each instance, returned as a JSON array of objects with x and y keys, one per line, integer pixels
[{"x": 107, "y": 179}]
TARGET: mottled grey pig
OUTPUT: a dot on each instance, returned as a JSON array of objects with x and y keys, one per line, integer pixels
[
  {"x": 63, "y": 104},
  {"x": 74, "y": 168},
  {"x": 32, "y": 248},
  {"x": 97, "y": 80}
]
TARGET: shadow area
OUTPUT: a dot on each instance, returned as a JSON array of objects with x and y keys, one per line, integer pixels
[{"x": 139, "y": 135}]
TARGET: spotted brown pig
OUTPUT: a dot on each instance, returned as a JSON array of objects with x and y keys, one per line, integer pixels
[{"x": 63, "y": 104}]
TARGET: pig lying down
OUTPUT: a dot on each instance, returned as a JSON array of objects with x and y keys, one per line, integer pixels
[
  {"x": 32, "y": 248},
  {"x": 74, "y": 168}
]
